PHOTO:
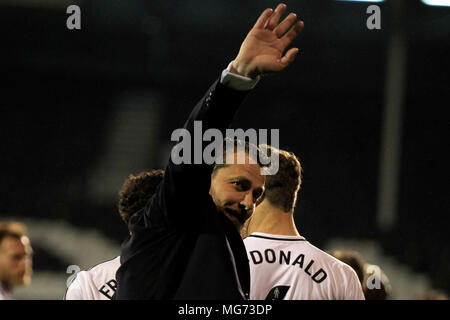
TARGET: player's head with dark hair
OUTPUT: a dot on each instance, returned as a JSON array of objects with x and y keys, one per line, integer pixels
[
  {"x": 233, "y": 147},
  {"x": 236, "y": 180},
  {"x": 282, "y": 187},
  {"x": 15, "y": 255},
  {"x": 137, "y": 191}
]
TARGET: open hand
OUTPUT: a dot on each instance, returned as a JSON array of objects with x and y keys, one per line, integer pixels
[{"x": 263, "y": 48}]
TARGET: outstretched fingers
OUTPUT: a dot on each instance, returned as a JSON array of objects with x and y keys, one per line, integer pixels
[
  {"x": 292, "y": 33},
  {"x": 284, "y": 26},
  {"x": 272, "y": 22},
  {"x": 263, "y": 18}
]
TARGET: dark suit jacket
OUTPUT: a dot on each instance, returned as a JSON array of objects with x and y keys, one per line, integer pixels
[{"x": 181, "y": 247}]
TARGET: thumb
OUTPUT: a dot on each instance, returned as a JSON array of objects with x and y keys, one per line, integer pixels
[{"x": 289, "y": 57}]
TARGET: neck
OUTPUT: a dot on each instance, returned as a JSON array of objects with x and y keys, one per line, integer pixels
[{"x": 269, "y": 219}]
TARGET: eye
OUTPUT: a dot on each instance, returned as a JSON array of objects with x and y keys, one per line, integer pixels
[
  {"x": 241, "y": 185},
  {"x": 237, "y": 184},
  {"x": 17, "y": 257}
]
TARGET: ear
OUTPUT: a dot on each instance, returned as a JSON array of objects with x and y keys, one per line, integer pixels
[{"x": 211, "y": 188}]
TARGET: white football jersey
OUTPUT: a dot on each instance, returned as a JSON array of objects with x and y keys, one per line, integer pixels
[
  {"x": 290, "y": 268},
  {"x": 97, "y": 283}
]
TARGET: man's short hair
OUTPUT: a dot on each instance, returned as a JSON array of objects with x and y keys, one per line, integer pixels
[
  {"x": 281, "y": 188},
  {"x": 137, "y": 191},
  {"x": 14, "y": 230},
  {"x": 251, "y": 149}
]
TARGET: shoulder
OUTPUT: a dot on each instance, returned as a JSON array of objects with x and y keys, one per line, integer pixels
[
  {"x": 76, "y": 287},
  {"x": 333, "y": 262},
  {"x": 344, "y": 276},
  {"x": 86, "y": 283},
  {"x": 104, "y": 270},
  {"x": 107, "y": 265}
]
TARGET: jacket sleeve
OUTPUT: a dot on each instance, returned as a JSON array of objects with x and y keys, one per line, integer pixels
[{"x": 185, "y": 187}]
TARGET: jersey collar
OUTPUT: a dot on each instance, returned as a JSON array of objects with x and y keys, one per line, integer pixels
[{"x": 279, "y": 237}]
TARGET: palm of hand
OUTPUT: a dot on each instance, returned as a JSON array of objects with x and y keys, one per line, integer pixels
[{"x": 265, "y": 50}]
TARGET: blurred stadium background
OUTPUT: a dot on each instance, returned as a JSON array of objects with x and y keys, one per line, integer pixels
[{"x": 363, "y": 109}]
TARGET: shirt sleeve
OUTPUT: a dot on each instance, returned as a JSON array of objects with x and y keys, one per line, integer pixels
[{"x": 236, "y": 81}]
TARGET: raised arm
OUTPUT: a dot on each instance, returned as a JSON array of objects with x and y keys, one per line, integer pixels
[{"x": 262, "y": 51}]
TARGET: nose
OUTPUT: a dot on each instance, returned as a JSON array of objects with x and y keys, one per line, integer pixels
[{"x": 248, "y": 202}]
